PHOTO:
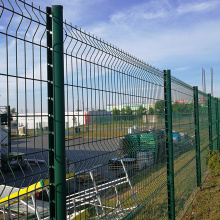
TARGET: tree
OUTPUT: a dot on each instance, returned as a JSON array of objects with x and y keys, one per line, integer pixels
[
  {"x": 159, "y": 107},
  {"x": 150, "y": 111},
  {"x": 176, "y": 107},
  {"x": 127, "y": 113},
  {"x": 128, "y": 110},
  {"x": 190, "y": 107},
  {"x": 13, "y": 111},
  {"x": 141, "y": 110},
  {"x": 182, "y": 108},
  {"x": 116, "y": 114},
  {"x": 123, "y": 112}
]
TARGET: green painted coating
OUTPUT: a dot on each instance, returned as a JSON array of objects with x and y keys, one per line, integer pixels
[
  {"x": 210, "y": 121},
  {"x": 67, "y": 129},
  {"x": 131, "y": 215},
  {"x": 9, "y": 128},
  {"x": 173, "y": 79},
  {"x": 217, "y": 124},
  {"x": 59, "y": 113},
  {"x": 169, "y": 144},
  {"x": 197, "y": 135},
  {"x": 37, "y": 129},
  {"x": 203, "y": 94}
]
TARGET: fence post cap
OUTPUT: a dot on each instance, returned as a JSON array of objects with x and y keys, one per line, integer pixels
[{"x": 53, "y": 6}]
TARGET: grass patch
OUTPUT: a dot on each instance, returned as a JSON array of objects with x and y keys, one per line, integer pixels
[
  {"x": 206, "y": 203},
  {"x": 150, "y": 188}
]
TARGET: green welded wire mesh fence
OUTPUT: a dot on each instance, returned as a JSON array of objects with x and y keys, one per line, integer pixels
[{"x": 89, "y": 131}]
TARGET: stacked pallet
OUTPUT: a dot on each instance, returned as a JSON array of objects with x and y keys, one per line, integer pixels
[
  {"x": 154, "y": 142},
  {"x": 115, "y": 164},
  {"x": 148, "y": 142},
  {"x": 146, "y": 157},
  {"x": 85, "y": 179}
]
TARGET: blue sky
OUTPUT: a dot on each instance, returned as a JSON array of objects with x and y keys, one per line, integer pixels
[{"x": 181, "y": 35}]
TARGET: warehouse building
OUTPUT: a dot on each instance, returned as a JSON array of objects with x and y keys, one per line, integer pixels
[
  {"x": 133, "y": 106},
  {"x": 72, "y": 119}
]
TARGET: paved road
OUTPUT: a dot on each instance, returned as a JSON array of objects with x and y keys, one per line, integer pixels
[{"x": 85, "y": 153}]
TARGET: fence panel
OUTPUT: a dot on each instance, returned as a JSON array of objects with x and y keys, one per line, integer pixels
[
  {"x": 204, "y": 131},
  {"x": 183, "y": 146},
  {"x": 23, "y": 78},
  {"x": 103, "y": 81},
  {"x": 214, "y": 124}
]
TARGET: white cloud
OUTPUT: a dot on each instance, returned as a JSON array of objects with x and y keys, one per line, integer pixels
[
  {"x": 161, "y": 9},
  {"x": 146, "y": 11},
  {"x": 155, "y": 31},
  {"x": 196, "y": 40},
  {"x": 197, "y": 7},
  {"x": 161, "y": 36}
]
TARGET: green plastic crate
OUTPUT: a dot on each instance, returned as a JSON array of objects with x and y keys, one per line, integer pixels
[
  {"x": 132, "y": 144},
  {"x": 148, "y": 142}
]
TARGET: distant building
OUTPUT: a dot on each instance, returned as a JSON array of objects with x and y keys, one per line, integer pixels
[
  {"x": 76, "y": 118},
  {"x": 92, "y": 117},
  {"x": 133, "y": 106},
  {"x": 184, "y": 101}
]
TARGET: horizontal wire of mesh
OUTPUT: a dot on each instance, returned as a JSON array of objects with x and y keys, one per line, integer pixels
[{"x": 23, "y": 109}]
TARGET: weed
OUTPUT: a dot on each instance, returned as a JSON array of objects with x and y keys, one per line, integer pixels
[{"x": 213, "y": 161}]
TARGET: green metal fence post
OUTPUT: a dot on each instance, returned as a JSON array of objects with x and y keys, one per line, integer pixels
[
  {"x": 67, "y": 129},
  {"x": 169, "y": 144},
  {"x": 217, "y": 124},
  {"x": 37, "y": 129},
  {"x": 210, "y": 121},
  {"x": 189, "y": 120},
  {"x": 197, "y": 135},
  {"x": 9, "y": 129},
  {"x": 59, "y": 113}
]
